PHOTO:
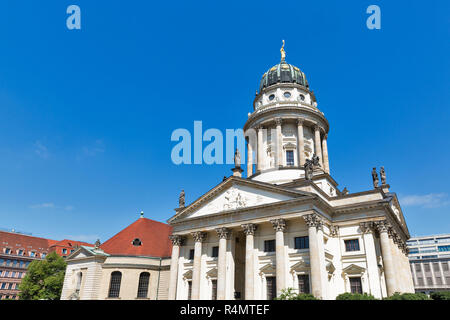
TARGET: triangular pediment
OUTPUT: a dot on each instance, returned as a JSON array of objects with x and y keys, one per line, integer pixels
[
  {"x": 300, "y": 266},
  {"x": 187, "y": 275},
  {"x": 268, "y": 268},
  {"x": 353, "y": 269},
  {"x": 234, "y": 194},
  {"x": 212, "y": 273},
  {"x": 85, "y": 252}
]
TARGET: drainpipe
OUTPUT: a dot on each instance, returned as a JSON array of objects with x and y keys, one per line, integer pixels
[{"x": 159, "y": 273}]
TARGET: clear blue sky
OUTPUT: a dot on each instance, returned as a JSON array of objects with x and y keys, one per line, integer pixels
[{"x": 86, "y": 116}]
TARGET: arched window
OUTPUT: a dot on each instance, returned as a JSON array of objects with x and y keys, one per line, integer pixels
[
  {"x": 143, "y": 285},
  {"x": 137, "y": 242},
  {"x": 114, "y": 286}
]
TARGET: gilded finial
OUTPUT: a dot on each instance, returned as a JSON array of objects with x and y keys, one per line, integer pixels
[{"x": 283, "y": 53}]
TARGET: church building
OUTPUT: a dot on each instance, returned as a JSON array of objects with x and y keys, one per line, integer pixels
[{"x": 288, "y": 224}]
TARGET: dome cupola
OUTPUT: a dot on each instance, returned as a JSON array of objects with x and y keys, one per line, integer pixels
[{"x": 283, "y": 73}]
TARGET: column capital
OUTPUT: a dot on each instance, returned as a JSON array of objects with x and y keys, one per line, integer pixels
[
  {"x": 325, "y": 136},
  {"x": 300, "y": 121},
  {"x": 177, "y": 240},
  {"x": 223, "y": 233},
  {"x": 366, "y": 226},
  {"x": 249, "y": 228},
  {"x": 381, "y": 226},
  {"x": 199, "y": 236},
  {"x": 278, "y": 121},
  {"x": 316, "y": 127},
  {"x": 279, "y": 224},
  {"x": 259, "y": 127},
  {"x": 312, "y": 220}
]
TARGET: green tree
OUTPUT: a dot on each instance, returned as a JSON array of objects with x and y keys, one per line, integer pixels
[
  {"x": 289, "y": 294},
  {"x": 44, "y": 279},
  {"x": 355, "y": 296},
  {"x": 408, "y": 296},
  {"x": 440, "y": 295}
]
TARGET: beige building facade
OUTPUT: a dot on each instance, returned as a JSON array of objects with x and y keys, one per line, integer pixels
[{"x": 287, "y": 224}]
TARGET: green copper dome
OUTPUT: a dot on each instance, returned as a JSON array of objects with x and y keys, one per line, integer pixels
[{"x": 283, "y": 73}]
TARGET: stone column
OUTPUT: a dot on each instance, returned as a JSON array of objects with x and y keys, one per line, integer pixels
[
  {"x": 280, "y": 226},
  {"x": 317, "y": 144},
  {"x": 386, "y": 253},
  {"x": 300, "y": 143},
  {"x": 326, "y": 163},
  {"x": 314, "y": 259},
  {"x": 249, "y": 230},
  {"x": 259, "y": 163},
  {"x": 322, "y": 262},
  {"x": 249, "y": 159},
  {"x": 199, "y": 237},
  {"x": 224, "y": 235},
  {"x": 176, "y": 243},
  {"x": 279, "y": 140},
  {"x": 371, "y": 259}
]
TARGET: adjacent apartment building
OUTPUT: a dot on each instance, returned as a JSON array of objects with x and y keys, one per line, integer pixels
[
  {"x": 429, "y": 257},
  {"x": 18, "y": 250}
]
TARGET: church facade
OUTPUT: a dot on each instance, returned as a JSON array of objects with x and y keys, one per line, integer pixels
[{"x": 287, "y": 224}]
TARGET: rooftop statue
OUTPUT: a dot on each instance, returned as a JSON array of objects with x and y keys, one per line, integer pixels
[
  {"x": 383, "y": 176},
  {"x": 283, "y": 53},
  {"x": 309, "y": 166},
  {"x": 181, "y": 200},
  {"x": 375, "y": 178},
  {"x": 237, "y": 159}
]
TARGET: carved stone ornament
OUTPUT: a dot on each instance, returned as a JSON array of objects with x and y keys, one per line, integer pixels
[
  {"x": 278, "y": 121},
  {"x": 334, "y": 231},
  {"x": 176, "y": 240},
  {"x": 249, "y": 228},
  {"x": 279, "y": 224},
  {"x": 223, "y": 233},
  {"x": 237, "y": 159},
  {"x": 199, "y": 236}
]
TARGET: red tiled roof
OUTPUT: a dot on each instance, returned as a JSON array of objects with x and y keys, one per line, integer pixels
[
  {"x": 16, "y": 241},
  {"x": 154, "y": 236},
  {"x": 70, "y": 244}
]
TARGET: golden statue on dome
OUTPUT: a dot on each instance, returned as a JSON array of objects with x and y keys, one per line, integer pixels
[{"x": 283, "y": 53}]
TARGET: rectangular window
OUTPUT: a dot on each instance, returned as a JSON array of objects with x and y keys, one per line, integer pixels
[
  {"x": 436, "y": 267},
  {"x": 301, "y": 242},
  {"x": 289, "y": 158},
  {"x": 271, "y": 288},
  {"x": 3, "y": 285},
  {"x": 215, "y": 252},
  {"x": 420, "y": 281},
  {"x": 32, "y": 253},
  {"x": 64, "y": 251},
  {"x": 444, "y": 266},
  {"x": 2, "y": 261},
  {"x": 444, "y": 248},
  {"x": 191, "y": 254},
  {"x": 303, "y": 283},
  {"x": 352, "y": 245},
  {"x": 8, "y": 251},
  {"x": 214, "y": 290},
  {"x": 414, "y": 250},
  {"x": 189, "y": 290},
  {"x": 429, "y": 281},
  {"x": 426, "y": 267},
  {"x": 20, "y": 252},
  {"x": 269, "y": 246},
  {"x": 355, "y": 285},
  {"x": 438, "y": 280}
]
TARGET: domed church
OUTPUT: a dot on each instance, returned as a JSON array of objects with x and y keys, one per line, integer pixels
[{"x": 287, "y": 224}]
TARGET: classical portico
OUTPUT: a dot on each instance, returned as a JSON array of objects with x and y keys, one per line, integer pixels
[{"x": 250, "y": 238}]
